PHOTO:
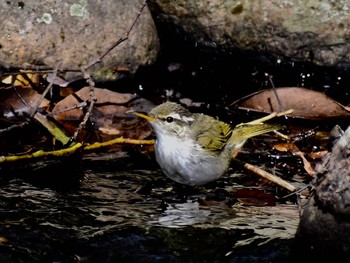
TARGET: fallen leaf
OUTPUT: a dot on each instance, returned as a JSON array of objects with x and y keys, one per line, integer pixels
[
  {"x": 111, "y": 104},
  {"x": 57, "y": 80},
  {"x": 284, "y": 147},
  {"x": 306, "y": 103},
  {"x": 23, "y": 80},
  {"x": 121, "y": 69},
  {"x": 19, "y": 101},
  {"x": 307, "y": 166},
  {"x": 317, "y": 155},
  {"x": 110, "y": 113},
  {"x": 109, "y": 131},
  {"x": 3, "y": 240},
  {"x": 254, "y": 197}
]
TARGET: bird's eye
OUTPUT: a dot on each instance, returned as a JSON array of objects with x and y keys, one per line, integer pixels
[{"x": 169, "y": 119}]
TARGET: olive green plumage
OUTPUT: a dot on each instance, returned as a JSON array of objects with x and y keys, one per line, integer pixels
[{"x": 193, "y": 148}]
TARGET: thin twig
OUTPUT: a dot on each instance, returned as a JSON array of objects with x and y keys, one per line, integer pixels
[
  {"x": 32, "y": 68},
  {"x": 82, "y": 124},
  {"x": 266, "y": 175},
  {"x": 120, "y": 40},
  {"x": 269, "y": 117},
  {"x": 88, "y": 78},
  {"x": 41, "y": 153},
  {"x": 281, "y": 108},
  {"x": 297, "y": 191},
  {"x": 119, "y": 140},
  {"x": 270, "y": 177},
  {"x": 73, "y": 148},
  {"x": 76, "y": 106},
  {"x": 21, "y": 98},
  {"x": 48, "y": 88},
  {"x": 14, "y": 126}
]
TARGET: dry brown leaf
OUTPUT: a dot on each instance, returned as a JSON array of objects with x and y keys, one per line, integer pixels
[
  {"x": 306, "y": 103},
  {"x": 3, "y": 240},
  {"x": 20, "y": 101},
  {"x": 109, "y": 131},
  {"x": 22, "y": 80},
  {"x": 307, "y": 166},
  {"x": 284, "y": 147},
  {"x": 110, "y": 113},
  {"x": 105, "y": 95},
  {"x": 102, "y": 96},
  {"x": 317, "y": 155}
]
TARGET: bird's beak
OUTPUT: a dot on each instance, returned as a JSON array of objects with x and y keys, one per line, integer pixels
[{"x": 149, "y": 118}]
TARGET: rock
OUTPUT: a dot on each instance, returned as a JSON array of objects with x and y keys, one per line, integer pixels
[
  {"x": 315, "y": 31},
  {"x": 323, "y": 231},
  {"x": 75, "y": 33}
]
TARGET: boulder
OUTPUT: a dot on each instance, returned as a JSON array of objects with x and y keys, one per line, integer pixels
[
  {"x": 323, "y": 231},
  {"x": 315, "y": 31},
  {"x": 74, "y": 33}
]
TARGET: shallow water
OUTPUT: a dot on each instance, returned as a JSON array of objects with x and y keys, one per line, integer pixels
[{"x": 133, "y": 215}]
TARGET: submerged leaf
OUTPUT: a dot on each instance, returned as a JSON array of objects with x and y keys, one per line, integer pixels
[{"x": 254, "y": 197}]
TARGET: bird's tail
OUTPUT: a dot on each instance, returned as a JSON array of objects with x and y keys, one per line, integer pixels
[{"x": 246, "y": 131}]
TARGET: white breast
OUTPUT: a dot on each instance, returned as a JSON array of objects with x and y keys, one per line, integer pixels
[{"x": 185, "y": 162}]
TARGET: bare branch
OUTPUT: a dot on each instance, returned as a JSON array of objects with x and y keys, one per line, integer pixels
[
  {"x": 32, "y": 68},
  {"x": 266, "y": 175},
  {"x": 82, "y": 124},
  {"x": 15, "y": 126},
  {"x": 120, "y": 40},
  {"x": 45, "y": 91},
  {"x": 87, "y": 76}
]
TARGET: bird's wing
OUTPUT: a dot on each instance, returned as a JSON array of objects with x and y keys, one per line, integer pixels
[{"x": 212, "y": 134}]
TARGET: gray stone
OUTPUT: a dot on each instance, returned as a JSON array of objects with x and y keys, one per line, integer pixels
[
  {"x": 323, "y": 231},
  {"x": 76, "y": 32},
  {"x": 312, "y": 30}
]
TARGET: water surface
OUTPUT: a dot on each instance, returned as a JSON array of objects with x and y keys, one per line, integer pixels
[{"x": 134, "y": 215}]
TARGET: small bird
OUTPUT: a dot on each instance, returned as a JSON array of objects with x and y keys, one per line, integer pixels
[{"x": 193, "y": 148}]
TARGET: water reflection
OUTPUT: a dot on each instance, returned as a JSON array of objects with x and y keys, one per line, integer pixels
[
  {"x": 113, "y": 213},
  {"x": 186, "y": 214}
]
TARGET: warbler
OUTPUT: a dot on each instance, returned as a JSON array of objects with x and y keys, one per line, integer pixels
[{"x": 194, "y": 148}]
